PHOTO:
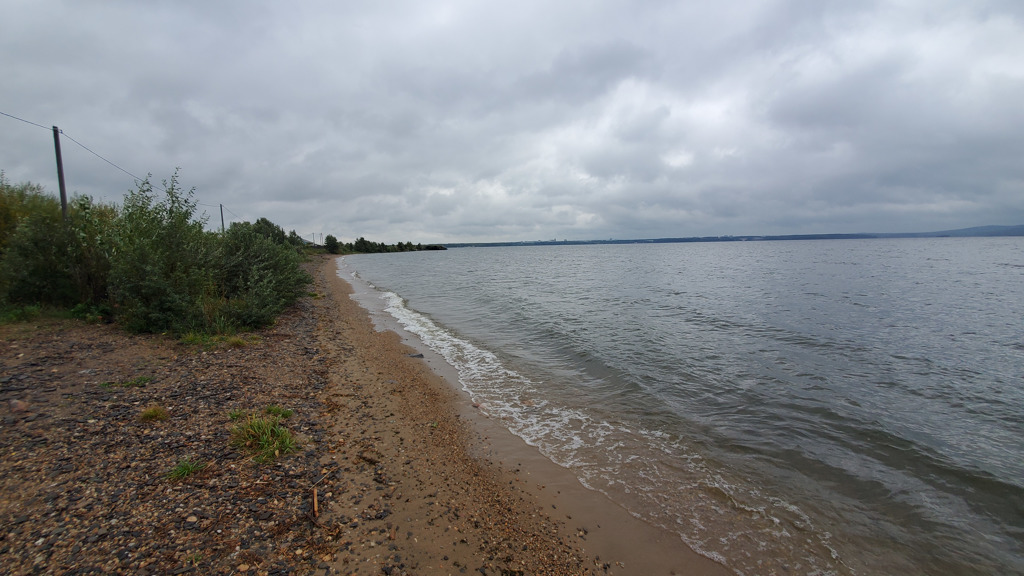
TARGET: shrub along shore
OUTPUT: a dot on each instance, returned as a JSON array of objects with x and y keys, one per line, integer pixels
[{"x": 148, "y": 264}]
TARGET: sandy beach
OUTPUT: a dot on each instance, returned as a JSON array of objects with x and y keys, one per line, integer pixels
[{"x": 395, "y": 471}]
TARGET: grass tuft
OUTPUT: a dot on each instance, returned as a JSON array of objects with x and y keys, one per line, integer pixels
[
  {"x": 196, "y": 339},
  {"x": 282, "y": 413},
  {"x": 235, "y": 341},
  {"x": 263, "y": 437},
  {"x": 154, "y": 413},
  {"x": 211, "y": 341},
  {"x": 236, "y": 414},
  {"x": 185, "y": 468}
]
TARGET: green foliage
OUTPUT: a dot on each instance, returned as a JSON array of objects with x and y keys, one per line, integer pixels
[
  {"x": 154, "y": 413},
  {"x": 91, "y": 313},
  {"x": 295, "y": 240},
  {"x": 364, "y": 246},
  {"x": 90, "y": 247},
  {"x": 193, "y": 338},
  {"x": 185, "y": 468},
  {"x": 258, "y": 277},
  {"x": 331, "y": 244},
  {"x": 35, "y": 264},
  {"x": 163, "y": 262},
  {"x": 18, "y": 201},
  {"x": 20, "y": 314},
  {"x": 263, "y": 437},
  {"x": 282, "y": 413},
  {"x": 150, "y": 264},
  {"x": 269, "y": 230},
  {"x": 50, "y": 260}
]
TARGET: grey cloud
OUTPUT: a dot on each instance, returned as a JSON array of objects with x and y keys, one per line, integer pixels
[{"x": 422, "y": 122}]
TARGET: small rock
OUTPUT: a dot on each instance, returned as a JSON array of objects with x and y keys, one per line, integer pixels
[
  {"x": 243, "y": 567},
  {"x": 192, "y": 519},
  {"x": 18, "y": 406}
]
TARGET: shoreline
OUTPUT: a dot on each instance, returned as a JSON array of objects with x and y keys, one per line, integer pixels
[
  {"x": 618, "y": 542},
  {"x": 458, "y": 510},
  {"x": 394, "y": 473}
]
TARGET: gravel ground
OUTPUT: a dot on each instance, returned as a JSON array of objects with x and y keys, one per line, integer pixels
[{"x": 384, "y": 479}]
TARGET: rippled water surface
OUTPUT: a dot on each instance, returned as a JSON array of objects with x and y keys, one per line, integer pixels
[{"x": 803, "y": 407}]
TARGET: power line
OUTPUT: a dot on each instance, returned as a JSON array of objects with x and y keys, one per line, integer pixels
[
  {"x": 87, "y": 149},
  {"x": 84, "y": 147},
  {"x": 25, "y": 121}
]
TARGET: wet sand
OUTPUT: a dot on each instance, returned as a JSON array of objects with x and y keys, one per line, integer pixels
[{"x": 480, "y": 457}]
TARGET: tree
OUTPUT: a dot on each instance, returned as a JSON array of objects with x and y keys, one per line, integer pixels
[
  {"x": 295, "y": 240},
  {"x": 331, "y": 244},
  {"x": 265, "y": 227}
]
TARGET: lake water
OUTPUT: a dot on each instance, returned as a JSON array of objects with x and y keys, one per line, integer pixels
[{"x": 802, "y": 407}]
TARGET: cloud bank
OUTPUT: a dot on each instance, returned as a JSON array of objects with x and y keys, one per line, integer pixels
[{"x": 467, "y": 121}]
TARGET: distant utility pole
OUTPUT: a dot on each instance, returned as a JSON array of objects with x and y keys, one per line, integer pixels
[
  {"x": 60, "y": 173},
  {"x": 221, "y": 218}
]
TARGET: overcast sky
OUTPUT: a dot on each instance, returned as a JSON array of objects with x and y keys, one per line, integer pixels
[{"x": 487, "y": 121}]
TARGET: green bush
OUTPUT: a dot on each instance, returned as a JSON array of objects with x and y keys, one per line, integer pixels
[
  {"x": 295, "y": 240},
  {"x": 259, "y": 278},
  {"x": 18, "y": 201},
  {"x": 90, "y": 248},
  {"x": 35, "y": 268},
  {"x": 161, "y": 269},
  {"x": 55, "y": 261},
  {"x": 150, "y": 264},
  {"x": 47, "y": 259},
  {"x": 19, "y": 314},
  {"x": 266, "y": 228}
]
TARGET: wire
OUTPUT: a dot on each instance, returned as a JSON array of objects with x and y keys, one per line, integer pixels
[
  {"x": 25, "y": 121},
  {"x": 87, "y": 149},
  {"x": 226, "y": 209}
]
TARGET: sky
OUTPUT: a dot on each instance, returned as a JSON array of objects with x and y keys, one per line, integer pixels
[{"x": 473, "y": 121}]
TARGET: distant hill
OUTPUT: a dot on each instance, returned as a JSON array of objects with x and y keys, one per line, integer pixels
[
  {"x": 964, "y": 232},
  {"x": 977, "y": 231}
]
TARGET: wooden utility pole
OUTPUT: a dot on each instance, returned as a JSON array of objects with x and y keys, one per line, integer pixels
[
  {"x": 221, "y": 218},
  {"x": 60, "y": 173}
]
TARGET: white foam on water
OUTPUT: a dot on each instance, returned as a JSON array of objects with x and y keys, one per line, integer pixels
[
  {"x": 670, "y": 484},
  {"x": 655, "y": 476}
]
